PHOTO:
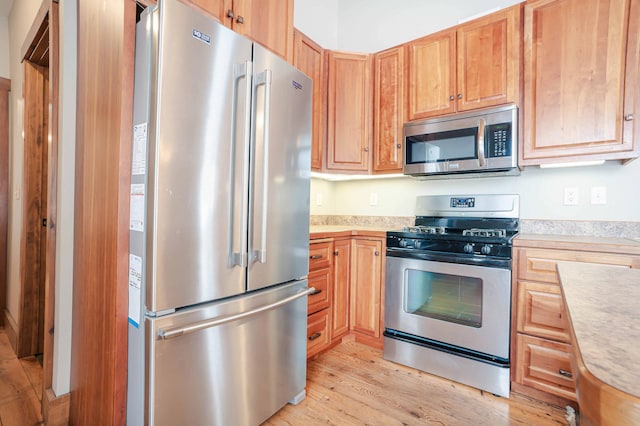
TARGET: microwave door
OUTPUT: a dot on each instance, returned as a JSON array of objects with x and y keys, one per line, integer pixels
[{"x": 443, "y": 151}]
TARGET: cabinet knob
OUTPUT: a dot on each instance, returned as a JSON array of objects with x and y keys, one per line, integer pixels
[
  {"x": 377, "y": 253},
  {"x": 459, "y": 95},
  {"x": 398, "y": 146},
  {"x": 628, "y": 117},
  {"x": 366, "y": 149},
  {"x": 240, "y": 19},
  {"x": 314, "y": 336},
  {"x": 451, "y": 97},
  {"x": 335, "y": 253},
  {"x": 565, "y": 373},
  {"x": 230, "y": 14}
]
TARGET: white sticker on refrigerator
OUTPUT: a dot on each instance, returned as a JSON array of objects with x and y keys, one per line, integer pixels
[
  {"x": 135, "y": 282},
  {"x": 136, "y": 209},
  {"x": 139, "y": 156}
]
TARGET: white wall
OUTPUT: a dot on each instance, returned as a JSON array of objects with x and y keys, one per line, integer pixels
[
  {"x": 4, "y": 47},
  {"x": 541, "y": 193},
  {"x": 317, "y": 19}
]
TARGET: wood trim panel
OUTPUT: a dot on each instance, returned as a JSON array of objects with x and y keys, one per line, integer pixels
[
  {"x": 55, "y": 409},
  {"x": 11, "y": 329},
  {"x": 106, "y": 44},
  {"x": 5, "y": 87},
  {"x": 36, "y": 37}
]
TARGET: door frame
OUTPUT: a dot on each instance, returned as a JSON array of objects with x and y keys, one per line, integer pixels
[{"x": 41, "y": 45}]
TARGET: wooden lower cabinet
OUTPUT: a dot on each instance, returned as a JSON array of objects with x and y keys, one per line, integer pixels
[
  {"x": 541, "y": 343},
  {"x": 545, "y": 365},
  {"x": 366, "y": 291},
  {"x": 354, "y": 277},
  {"x": 318, "y": 332}
]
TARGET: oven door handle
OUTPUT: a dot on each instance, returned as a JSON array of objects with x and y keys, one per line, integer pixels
[{"x": 481, "y": 158}]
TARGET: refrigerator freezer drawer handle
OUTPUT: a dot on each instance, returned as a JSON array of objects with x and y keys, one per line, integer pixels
[
  {"x": 202, "y": 325},
  {"x": 264, "y": 78}
]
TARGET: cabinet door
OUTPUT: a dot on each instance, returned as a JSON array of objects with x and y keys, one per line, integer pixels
[
  {"x": 388, "y": 110},
  {"x": 545, "y": 365},
  {"x": 341, "y": 280},
  {"x": 217, "y": 8},
  {"x": 540, "y": 311},
  {"x": 575, "y": 65},
  {"x": 269, "y": 22},
  {"x": 366, "y": 285},
  {"x": 488, "y": 54},
  {"x": 349, "y": 112},
  {"x": 432, "y": 75},
  {"x": 308, "y": 57}
]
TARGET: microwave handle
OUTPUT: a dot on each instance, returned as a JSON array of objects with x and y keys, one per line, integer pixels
[{"x": 481, "y": 159}]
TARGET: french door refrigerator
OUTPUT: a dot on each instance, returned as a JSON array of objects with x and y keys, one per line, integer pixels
[{"x": 219, "y": 226}]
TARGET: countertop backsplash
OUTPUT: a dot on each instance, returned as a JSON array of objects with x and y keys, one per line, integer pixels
[{"x": 529, "y": 226}]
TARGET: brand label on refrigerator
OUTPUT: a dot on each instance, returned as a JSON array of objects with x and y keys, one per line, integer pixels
[
  {"x": 205, "y": 38},
  {"x": 139, "y": 157},
  {"x": 136, "y": 207}
]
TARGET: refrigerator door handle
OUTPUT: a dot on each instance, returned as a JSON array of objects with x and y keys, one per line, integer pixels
[
  {"x": 264, "y": 78},
  {"x": 202, "y": 325},
  {"x": 240, "y": 258}
]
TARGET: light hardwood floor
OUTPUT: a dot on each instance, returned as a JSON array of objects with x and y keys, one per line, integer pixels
[
  {"x": 353, "y": 385},
  {"x": 20, "y": 387}
]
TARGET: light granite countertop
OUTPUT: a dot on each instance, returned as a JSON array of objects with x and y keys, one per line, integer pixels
[{"x": 603, "y": 303}]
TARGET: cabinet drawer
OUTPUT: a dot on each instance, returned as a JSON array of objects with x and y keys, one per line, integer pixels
[
  {"x": 545, "y": 365},
  {"x": 541, "y": 311},
  {"x": 320, "y": 280},
  {"x": 317, "y": 332},
  {"x": 540, "y": 264},
  {"x": 320, "y": 255}
]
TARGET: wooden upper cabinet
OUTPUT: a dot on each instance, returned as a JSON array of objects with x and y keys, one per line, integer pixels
[
  {"x": 580, "y": 80},
  {"x": 269, "y": 22},
  {"x": 308, "y": 57},
  {"x": 474, "y": 65},
  {"x": 388, "y": 107},
  {"x": 349, "y": 110},
  {"x": 432, "y": 75}
]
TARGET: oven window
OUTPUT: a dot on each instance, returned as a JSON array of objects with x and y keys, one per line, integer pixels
[{"x": 445, "y": 297}]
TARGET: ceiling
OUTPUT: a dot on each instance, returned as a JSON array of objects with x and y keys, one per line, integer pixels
[{"x": 5, "y": 7}]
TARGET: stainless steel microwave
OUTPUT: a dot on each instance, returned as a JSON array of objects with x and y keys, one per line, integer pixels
[{"x": 483, "y": 141}]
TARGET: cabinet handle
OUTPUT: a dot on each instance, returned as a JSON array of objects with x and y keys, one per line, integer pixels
[
  {"x": 315, "y": 256},
  {"x": 318, "y": 291},
  {"x": 230, "y": 14},
  {"x": 459, "y": 95},
  {"x": 240, "y": 19},
  {"x": 628, "y": 117},
  {"x": 315, "y": 335},
  {"x": 451, "y": 97},
  {"x": 565, "y": 373}
]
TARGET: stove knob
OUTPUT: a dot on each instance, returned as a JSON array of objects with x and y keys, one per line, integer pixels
[
  {"x": 486, "y": 249},
  {"x": 402, "y": 243},
  {"x": 468, "y": 248},
  {"x": 417, "y": 244}
]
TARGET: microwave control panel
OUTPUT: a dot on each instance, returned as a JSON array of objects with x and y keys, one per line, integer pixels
[{"x": 498, "y": 138}]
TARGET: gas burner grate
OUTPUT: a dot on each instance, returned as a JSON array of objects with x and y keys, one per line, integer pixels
[
  {"x": 477, "y": 232},
  {"x": 439, "y": 230}
]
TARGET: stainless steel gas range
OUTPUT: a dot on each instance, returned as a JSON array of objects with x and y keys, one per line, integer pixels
[{"x": 448, "y": 289}]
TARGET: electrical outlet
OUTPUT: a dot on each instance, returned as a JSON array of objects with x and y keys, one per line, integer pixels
[
  {"x": 570, "y": 196},
  {"x": 599, "y": 195},
  {"x": 373, "y": 199}
]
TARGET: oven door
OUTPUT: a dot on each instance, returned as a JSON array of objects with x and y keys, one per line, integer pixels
[{"x": 461, "y": 305}]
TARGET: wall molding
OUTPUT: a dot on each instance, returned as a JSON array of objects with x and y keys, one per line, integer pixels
[
  {"x": 10, "y": 328},
  {"x": 55, "y": 409}
]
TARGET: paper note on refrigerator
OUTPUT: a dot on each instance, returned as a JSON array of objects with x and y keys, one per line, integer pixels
[
  {"x": 135, "y": 283},
  {"x": 136, "y": 207}
]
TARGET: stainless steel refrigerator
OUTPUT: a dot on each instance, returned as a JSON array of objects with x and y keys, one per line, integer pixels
[{"x": 219, "y": 226}]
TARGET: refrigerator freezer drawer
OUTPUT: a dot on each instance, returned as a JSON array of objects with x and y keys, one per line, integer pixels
[{"x": 234, "y": 362}]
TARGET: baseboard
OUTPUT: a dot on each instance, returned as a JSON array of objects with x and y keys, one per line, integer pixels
[
  {"x": 55, "y": 409},
  {"x": 10, "y": 328}
]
